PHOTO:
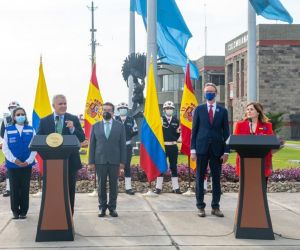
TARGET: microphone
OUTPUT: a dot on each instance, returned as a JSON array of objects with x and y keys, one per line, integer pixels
[{"x": 251, "y": 128}]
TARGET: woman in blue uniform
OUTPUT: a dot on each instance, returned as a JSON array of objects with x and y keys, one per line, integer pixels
[{"x": 19, "y": 161}]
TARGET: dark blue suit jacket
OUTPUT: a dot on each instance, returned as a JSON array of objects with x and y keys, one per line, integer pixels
[
  {"x": 204, "y": 133},
  {"x": 47, "y": 126}
]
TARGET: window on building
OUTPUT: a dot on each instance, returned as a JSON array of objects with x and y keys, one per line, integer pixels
[
  {"x": 242, "y": 77},
  {"x": 237, "y": 79},
  {"x": 217, "y": 79},
  {"x": 173, "y": 82},
  {"x": 230, "y": 73}
]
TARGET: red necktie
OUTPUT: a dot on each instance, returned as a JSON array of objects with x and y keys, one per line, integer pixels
[{"x": 211, "y": 114}]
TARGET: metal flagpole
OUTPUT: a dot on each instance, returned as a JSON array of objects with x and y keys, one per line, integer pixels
[
  {"x": 189, "y": 192},
  {"x": 251, "y": 56},
  {"x": 151, "y": 51},
  {"x": 131, "y": 51}
]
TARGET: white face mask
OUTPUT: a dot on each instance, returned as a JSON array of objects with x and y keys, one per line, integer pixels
[
  {"x": 169, "y": 112},
  {"x": 123, "y": 112}
]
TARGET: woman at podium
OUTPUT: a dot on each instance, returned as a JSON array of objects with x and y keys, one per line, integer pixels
[
  {"x": 19, "y": 161},
  {"x": 255, "y": 122}
]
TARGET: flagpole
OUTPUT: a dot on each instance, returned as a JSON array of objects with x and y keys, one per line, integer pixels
[
  {"x": 251, "y": 56},
  {"x": 189, "y": 192},
  {"x": 131, "y": 51}
]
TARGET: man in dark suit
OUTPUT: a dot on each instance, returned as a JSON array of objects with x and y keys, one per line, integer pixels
[
  {"x": 107, "y": 153},
  {"x": 66, "y": 124},
  {"x": 209, "y": 133}
]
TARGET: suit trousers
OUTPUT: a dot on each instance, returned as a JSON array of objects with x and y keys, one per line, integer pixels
[
  {"x": 72, "y": 187},
  {"x": 215, "y": 172},
  {"x": 110, "y": 171},
  {"x": 127, "y": 170},
  {"x": 19, "y": 179}
]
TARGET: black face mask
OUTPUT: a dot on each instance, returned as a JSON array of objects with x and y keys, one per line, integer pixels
[{"x": 106, "y": 116}]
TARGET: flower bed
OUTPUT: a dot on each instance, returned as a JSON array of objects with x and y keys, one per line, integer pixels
[{"x": 138, "y": 174}]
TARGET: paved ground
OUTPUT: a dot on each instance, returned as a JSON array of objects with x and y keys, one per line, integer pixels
[{"x": 166, "y": 222}]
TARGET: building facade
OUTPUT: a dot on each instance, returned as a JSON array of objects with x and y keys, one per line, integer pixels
[
  {"x": 278, "y": 74},
  {"x": 171, "y": 80}
]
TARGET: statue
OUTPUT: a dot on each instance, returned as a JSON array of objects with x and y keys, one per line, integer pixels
[{"x": 135, "y": 65}]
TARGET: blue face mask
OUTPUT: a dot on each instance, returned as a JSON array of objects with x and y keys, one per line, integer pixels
[
  {"x": 210, "y": 96},
  {"x": 20, "y": 119},
  {"x": 123, "y": 112}
]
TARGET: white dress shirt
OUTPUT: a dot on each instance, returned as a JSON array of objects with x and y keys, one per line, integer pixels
[{"x": 8, "y": 154}]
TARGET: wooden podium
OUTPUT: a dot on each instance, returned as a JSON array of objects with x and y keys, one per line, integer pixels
[
  {"x": 252, "y": 217},
  {"x": 55, "y": 219}
]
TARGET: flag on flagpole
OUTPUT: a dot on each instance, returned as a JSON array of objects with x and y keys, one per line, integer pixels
[
  {"x": 271, "y": 9},
  {"x": 187, "y": 107},
  {"x": 93, "y": 108},
  {"x": 42, "y": 107},
  {"x": 152, "y": 148}
]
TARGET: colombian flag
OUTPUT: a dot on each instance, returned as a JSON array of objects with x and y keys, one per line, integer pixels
[
  {"x": 93, "y": 107},
  {"x": 152, "y": 149},
  {"x": 42, "y": 107},
  {"x": 188, "y": 105}
]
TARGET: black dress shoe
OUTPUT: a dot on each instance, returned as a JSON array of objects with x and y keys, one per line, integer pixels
[
  {"x": 6, "y": 193},
  {"x": 15, "y": 216},
  {"x": 129, "y": 191},
  {"x": 113, "y": 213},
  {"x": 23, "y": 216},
  {"x": 102, "y": 213},
  {"x": 157, "y": 191},
  {"x": 176, "y": 191}
]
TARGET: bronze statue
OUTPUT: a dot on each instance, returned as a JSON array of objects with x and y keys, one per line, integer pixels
[{"x": 135, "y": 65}]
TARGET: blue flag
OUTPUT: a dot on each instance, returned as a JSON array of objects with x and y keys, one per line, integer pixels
[
  {"x": 172, "y": 32},
  {"x": 271, "y": 9}
]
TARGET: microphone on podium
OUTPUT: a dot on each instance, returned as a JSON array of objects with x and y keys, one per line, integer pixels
[{"x": 251, "y": 128}]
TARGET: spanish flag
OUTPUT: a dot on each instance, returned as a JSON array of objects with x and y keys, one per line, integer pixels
[
  {"x": 188, "y": 105},
  {"x": 152, "y": 148},
  {"x": 94, "y": 105},
  {"x": 42, "y": 107}
]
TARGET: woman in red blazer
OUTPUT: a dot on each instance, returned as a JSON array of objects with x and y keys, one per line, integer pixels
[{"x": 255, "y": 122}]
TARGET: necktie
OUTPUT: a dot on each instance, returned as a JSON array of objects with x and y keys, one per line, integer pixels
[
  {"x": 211, "y": 114},
  {"x": 58, "y": 125},
  {"x": 106, "y": 129}
]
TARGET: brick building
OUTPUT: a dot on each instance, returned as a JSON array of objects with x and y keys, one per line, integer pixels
[{"x": 278, "y": 74}]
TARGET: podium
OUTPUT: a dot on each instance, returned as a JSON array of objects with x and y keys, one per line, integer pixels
[
  {"x": 55, "y": 219},
  {"x": 252, "y": 217}
]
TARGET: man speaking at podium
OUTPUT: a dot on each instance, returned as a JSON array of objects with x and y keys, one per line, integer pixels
[{"x": 65, "y": 124}]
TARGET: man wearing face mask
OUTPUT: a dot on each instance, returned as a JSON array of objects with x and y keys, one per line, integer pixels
[
  {"x": 7, "y": 121},
  {"x": 209, "y": 133},
  {"x": 131, "y": 130},
  {"x": 171, "y": 131},
  {"x": 107, "y": 153}
]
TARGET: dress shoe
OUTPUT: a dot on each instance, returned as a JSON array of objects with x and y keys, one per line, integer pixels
[
  {"x": 201, "y": 212},
  {"x": 6, "y": 193},
  {"x": 15, "y": 216},
  {"x": 217, "y": 212},
  {"x": 157, "y": 191},
  {"x": 176, "y": 191},
  {"x": 113, "y": 213},
  {"x": 102, "y": 213},
  {"x": 22, "y": 216},
  {"x": 129, "y": 191}
]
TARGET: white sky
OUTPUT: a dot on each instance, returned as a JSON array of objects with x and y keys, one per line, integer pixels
[{"x": 60, "y": 31}]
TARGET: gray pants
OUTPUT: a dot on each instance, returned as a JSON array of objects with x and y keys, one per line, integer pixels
[{"x": 104, "y": 171}]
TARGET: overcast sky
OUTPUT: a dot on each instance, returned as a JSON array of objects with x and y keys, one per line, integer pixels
[{"x": 60, "y": 31}]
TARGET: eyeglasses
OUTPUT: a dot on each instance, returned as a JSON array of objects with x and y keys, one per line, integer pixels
[{"x": 20, "y": 114}]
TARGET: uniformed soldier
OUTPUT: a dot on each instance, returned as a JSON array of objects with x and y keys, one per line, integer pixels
[
  {"x": 7, "y": 121},
  {"x": 171, "y": 131},
  {"x": 131, "y": 130}
]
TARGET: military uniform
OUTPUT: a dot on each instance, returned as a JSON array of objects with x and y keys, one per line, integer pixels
[{"x": 131, "y": 130}]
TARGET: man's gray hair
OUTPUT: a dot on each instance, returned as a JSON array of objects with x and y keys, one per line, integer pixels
[
  {"x": 210, "y": 84},
  {"x": 58, "y": 96}
]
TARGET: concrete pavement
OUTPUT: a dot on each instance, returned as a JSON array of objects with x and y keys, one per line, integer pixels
[{"x": 166, "y": 222}]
